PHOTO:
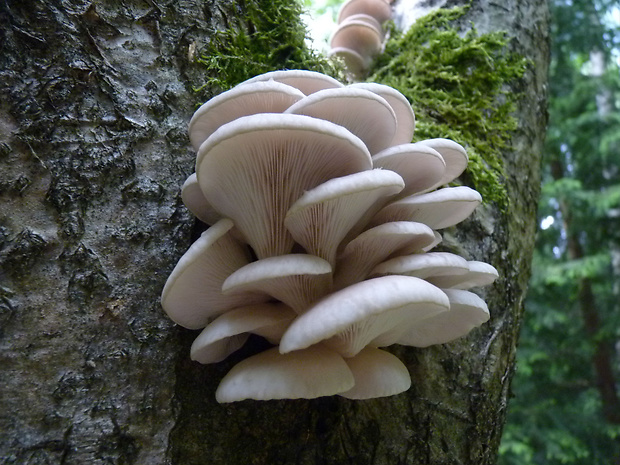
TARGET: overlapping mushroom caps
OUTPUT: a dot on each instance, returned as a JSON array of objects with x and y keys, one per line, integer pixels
[
  {"x": 360, "y": 34},
  {"x": 322, "y": 216}
]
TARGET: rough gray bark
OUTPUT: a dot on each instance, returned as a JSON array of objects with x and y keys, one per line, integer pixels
[{"x": 96, "y": 97}]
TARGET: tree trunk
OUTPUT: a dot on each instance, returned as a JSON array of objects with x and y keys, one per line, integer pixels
[{"x": 96, "y": 100}]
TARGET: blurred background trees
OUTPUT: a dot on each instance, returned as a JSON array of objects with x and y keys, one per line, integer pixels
[{"x": 566, "y": 407}]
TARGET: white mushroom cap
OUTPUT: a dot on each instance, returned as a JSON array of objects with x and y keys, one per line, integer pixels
[
  {"x": 405, "y": 117},
  {"x": 377, "y": 373},
  {"x": 357, "y": 35},
  {"x": 195, "y": 201},
  {"x": 229, "y": 331},
  {"x": 374, "y": 312},
  {"x": 378, "y": 9},
  {"x": 252, "y": 170},
  {"x": 479, "y": 274},
  {"x": 438, "y": 209},
  {"x": 249, "y": 99},
  {"x": 322, "y": 217},
  {"x": 424, "y": 265},
  {"x": 373, "y": 246},
  {"x": 453, "y": 154},
  {"x": 192, "y": 293},
  {"x": 421, "y": 167},
  {"x": 361, "y": 17},
  {"x": 355, "y": 64},
  {"x": 467, "y": 311},
  {"x": 306, "y": 81},
  {"x": 438, "y": 240},
  {"x": 295, "y": 279},
  {"x": 364, "y": 113},
  {"x": 304, "y": 374}
]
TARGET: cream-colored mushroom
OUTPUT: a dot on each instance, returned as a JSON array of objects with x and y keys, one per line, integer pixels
[
  {"x": 306, "y": 81},
  {"x": 229, "y": 331},
  {"x": 304, "y": 374},
  {"x": 478, "y": 274},
  {"x": 467, "y": 311},
  {"x": 377, "y": 373},
  {"x": 192, "y": 294},
  {"x": 438, "y": 209},
  {"x": 249, "y": 99},
  {"x": 323, "y": 216},
  {"x": 352, "y": 318},
  {"x": 375, "y": 245},
  {"x": 366, "y": 114},
  {"x": 295, "y": 279},
  {"x": 421, "y": 167},
  {"x": 378, "y": 9},
  {"x": 253, "y": 169},
  {"x": 405, "y": 117},
  {"x": 195, "y": 201}
]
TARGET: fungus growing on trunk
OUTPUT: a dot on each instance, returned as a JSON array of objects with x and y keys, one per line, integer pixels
[
  {"x": 318, "y": 246},
  {"x": 360, "y": 36}
]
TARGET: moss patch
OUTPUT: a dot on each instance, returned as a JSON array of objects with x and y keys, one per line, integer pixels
[
  {"x": 266, "y": 35},
  {"x": 457, "y": 86}
]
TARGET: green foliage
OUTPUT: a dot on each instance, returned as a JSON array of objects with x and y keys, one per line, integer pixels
[
  {"x": 457, "y": 87},
  {"x": 556, "y": 415},
  {"x": 265, "y": 36}
]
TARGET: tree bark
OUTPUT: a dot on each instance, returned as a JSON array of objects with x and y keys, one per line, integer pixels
[{"x": 96, "y": 100}]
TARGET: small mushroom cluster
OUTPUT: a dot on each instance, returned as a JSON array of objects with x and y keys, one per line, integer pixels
[
  {"x": 359, "y": 36},
  {"x": 323, "y": 214}
]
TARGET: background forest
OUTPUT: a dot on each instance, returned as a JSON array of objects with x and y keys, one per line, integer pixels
[{"x": 565, "y": 407}]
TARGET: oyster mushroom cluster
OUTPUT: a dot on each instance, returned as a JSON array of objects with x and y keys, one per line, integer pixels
[
  {"x": 360, "y": 35},
  {"x": 323, "y": 216}
]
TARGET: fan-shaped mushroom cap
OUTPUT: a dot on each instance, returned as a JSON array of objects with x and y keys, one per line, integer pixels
[
  {"x": 249, "y": 99},
  {"x": 306, "y": 81},
  {"x": 355, "y": 64},
  {"x": 364, "y": 113},
  {"x": 373, "y": 246},
  {"x": 195, "y": 201},
  {"x": 361, "y": 17},
  {"x": 357, "y": 35},
  {"x": 424, "y": 265},
  {"x": 438, "y": 240},
  {"x": 252, "y": 170},
  {"x": 304, "y": 374},
  {"x": 421, "y": 167},
  {"x": 453, "y": 154},
  {"x": 229, "y": 331},
  {"x": 295, "y": 279},
  {"x": 192, "y": 293},
  {"x": 467, "y": 311},
  {"x": 378, "y": 9},
  {"x": 374, "y": 312},
  {"x": 438, "y": 209},
  {"x": 322, "y": 217},
  {"x": 405, "y": 117},
  {"x": 377, "y": 373},
  {"x": 479, "y": 274}
]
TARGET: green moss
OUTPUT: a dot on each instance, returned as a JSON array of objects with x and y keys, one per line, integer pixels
[
  {"x": 457, "y": 87},
  {"x": 265, "y": 35}
]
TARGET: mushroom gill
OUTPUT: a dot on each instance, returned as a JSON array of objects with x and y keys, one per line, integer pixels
[{"x": 321, "y": 229}]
